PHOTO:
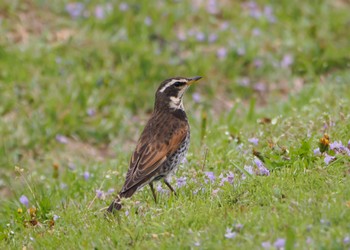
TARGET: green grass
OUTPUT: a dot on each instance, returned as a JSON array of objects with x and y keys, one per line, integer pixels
[{"x": 93, "y": 81}]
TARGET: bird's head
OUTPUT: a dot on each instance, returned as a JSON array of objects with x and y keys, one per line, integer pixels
[{"x": 171, "y": 91}]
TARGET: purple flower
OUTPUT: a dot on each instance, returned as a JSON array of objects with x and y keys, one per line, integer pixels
[
  {"x": 260, "y": 87},
  {"x": 99, "y": 12},
  {"x": 221, "y": 53},
  {"x": 256, "y": 32},
  {"x": 63, "y": 186},
  {"x": 148, "y": 21},
  {"x": 90, "y": 111},
  {"x": 212, "y": 7},
  {"x": 338, "y": 147},
  {"x": 229, "y": 178},
  {"x": 268, "y": 11},
  {"x": 279, "y": 243},
  {"x": 181, "y": 35},
  {"x": 249, "y": 169},
  {"x": 328, "y": 159},
  {"x": 127, "y": 213},
  {"x": 75, "y": 10},
  {"x": 238, "y": 227},
  {"x": 287, "y": 61},
  {"x": 181, "y": 182},
  {"x": 346, "y": 240},
  {"x": 110, "y": 191},
  {"x": 61, "y": 139},
  {"x": 196, "y": 97},
  {"x": 262, "y": 169},
  {"x": 308, "y": 240},
  {"x": 123, "y": 7},
  {"x": 224, "y": 26},
  {"x": 244, "y": 81},
  {"x": 86, "y": 175},
  {"x": 317, "y": 151},
  {"x": 349, "y": 144},
  {"x": 229, "y": 234},
  {"x": 212, "y": 38},
  {"x": 266, "y": 245},
  {"x": 159, "y": 188},
  {"x": 254, "y": 140},
  {"x": 197, "y": 243},
  {"x": 210, "y": 176},
  {"x": 200, "y": 36},
  {"x": 55, "y": 217},
  {"x": 258, "y": 63},
  {"x": 24, "y": 200},
  {"x": 215, "y": 192},
  {"x": 100, "y": 194}
]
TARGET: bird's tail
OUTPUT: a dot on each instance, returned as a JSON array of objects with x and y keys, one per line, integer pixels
[{"x": 116, "y": 204}]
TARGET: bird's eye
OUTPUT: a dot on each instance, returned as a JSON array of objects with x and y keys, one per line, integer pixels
[{"x": 178, "y": 84}]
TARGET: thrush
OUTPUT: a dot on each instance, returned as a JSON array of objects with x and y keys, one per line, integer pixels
[{"x": 163, "y": 143}]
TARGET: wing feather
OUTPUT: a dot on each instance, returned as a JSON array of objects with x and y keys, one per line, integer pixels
[{"x": 152, "y": 151}]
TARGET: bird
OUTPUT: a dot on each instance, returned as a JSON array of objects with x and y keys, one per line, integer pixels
[{"x": 163, "y": 144}]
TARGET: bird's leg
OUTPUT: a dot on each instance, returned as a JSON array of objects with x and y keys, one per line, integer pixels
[
  {"x": 169, "y": 186},
  {"x": 154, "y": 194}
]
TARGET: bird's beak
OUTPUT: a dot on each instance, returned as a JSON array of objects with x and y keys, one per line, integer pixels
[{"x": 192, "y": 80}]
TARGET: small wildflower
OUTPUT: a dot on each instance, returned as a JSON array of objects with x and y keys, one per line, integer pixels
[
  {"x": 212, "y": 7},
  {"x": 324, "y": 143},
  {"x": 317, "y": 151},
  {"x": 196, "y": 97},
  {"x": 229, "y": 234},
  {"x": 308, "y": 240},
  {"x": 91, "y": 112},
  {"x": 75, "y": 10},
  {"x": 279, "y": 243},
  {"x": 197, "y": 244},
  {"x": 258, "y": 63},
  {"x": 328, "y": 159},
  {"x": 24, "y": 200},
  {"x": 212, "y": 38},
  {"x": 266, "y": 245},
  {"x": 215, "y": 192},
  {"x": 123, "y": 7},
  {"x": 256, "y": 32},
  {"x": 254, "y": 140},
  {"x": 249, "y": 169},
  {"x": 238, "y": 227},
  {"x": 287, "y": 61},
  {"x": 200, "y": 36},
  {"x": 100, "y": 194},
  {"x": 127, "y": 213},
  {"x": 346, "y": 240},
  {"x": 159, "y": 188},
  {"x": 61, "y": 139},
  {"x": 99, "y": 12},
  {"x": 244, "y": 82},
  {"x": 262, "y": 169},
  {"x": 260, "y": 87},
  {"x": 55, "y": 217},
  {"x": 148, "y": 21},
  {"x": 63, "y": 186},
  {"x": 19, "y": 210},
  {"x": 181, "y": 181},
  {"x": 210, "y": 176},
  {"x": 221, "y": 53},
  {"x": 110, "y": 191},
  {"x": 268, "y": 11},
  {"x": 86, "y": 175}
]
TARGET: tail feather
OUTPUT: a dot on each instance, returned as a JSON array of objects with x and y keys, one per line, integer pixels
[{"x": 116, "y": 204}]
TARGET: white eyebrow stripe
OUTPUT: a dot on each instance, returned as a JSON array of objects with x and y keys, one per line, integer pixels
[{"x": 171, "y": 83}]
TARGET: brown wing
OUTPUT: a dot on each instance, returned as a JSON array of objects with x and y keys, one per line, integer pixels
[{"x": 153, "y": 150}]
